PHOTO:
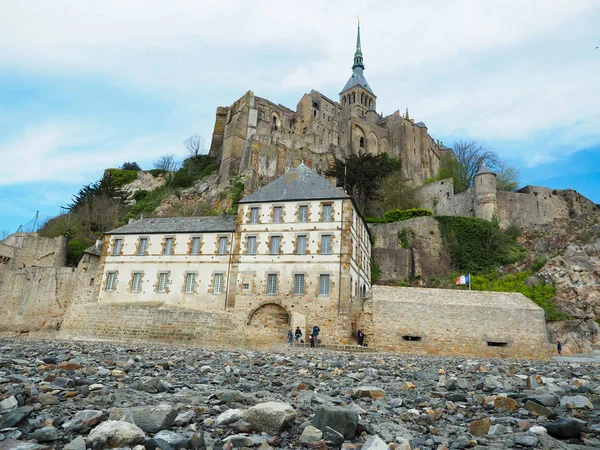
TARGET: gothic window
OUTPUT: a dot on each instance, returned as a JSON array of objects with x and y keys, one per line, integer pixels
[{"x": 362, "y": 142}]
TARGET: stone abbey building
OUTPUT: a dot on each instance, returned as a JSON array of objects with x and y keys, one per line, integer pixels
[{"x": 264, "y": 138}]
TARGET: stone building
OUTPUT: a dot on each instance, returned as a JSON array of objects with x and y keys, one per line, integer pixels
[
  {"x": 266, "y": 139},
  {"x": 297, "y": 253}
]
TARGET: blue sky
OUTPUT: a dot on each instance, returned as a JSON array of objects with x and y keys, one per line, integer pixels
[{"x": 88, "y": 85}]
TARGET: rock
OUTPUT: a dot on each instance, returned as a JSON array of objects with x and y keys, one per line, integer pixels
[
  {"x": 537, "y": 430},
  {"x": 229, "y": 416},
  {"x": 497, "y": 429},
  {"x": 271, "y": 417},
  {"x": 374, "y": 443},
  {"x": 342, "y": 420},
  {"x": 13, "y": 444},
  {"x": 549, "y": 400},
  {"x": 531, "y": 383},
  {"x": 239, "y": 440},
  {"x": 369, "y": 392},
  {"x": 334, "y": 436},
  {"x": 69, "y": 365},
  {"x": 566, "y": 428},
  {"x": 539, "y": 410},
  {"x": 114, "y": 434},
  {"x": 175, "y": 440},
  {"x": 480, "y": 427},
  {"x": 197, "y": 440},
  {"x": 45, "y": 434},
  {"x": 47, "y": 399},
  {"x": 153, "y": 418},
  {"x": 76, "y": 444},
  {"x": 84, "y": 420},
  {"x": 407, "y": 386},
  {"x": 8, "y": 403},
  {"x": 576, "y": 402},
  {"x": 527, "y": 441},
  {"x": 311, "y": 434},
  {"x": 506, "y": 403},
  {"x": 12, "y": 418},
  {"x": 184, "y": 418}
]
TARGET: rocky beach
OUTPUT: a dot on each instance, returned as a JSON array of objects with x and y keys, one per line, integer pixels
[{"x": 94, "y": 395}]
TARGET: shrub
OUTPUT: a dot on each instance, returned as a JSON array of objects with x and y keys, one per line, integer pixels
[
  {"x": 237, "y": 194},
  {"x": 75, "y": 249},
  {"x": 140, "y": 195},
  {"x": 157, "y": 172},
  {"x": 397, "y": 215},
  {"x": 131, "y": 166},
  {"x": 541, "y": 294},
  {"x": 120, "y": 177},
  {"x": 538, "y": 264},
  {"x": 403, "y": 236},
  {"x": 374, "y": 220},
  {"x": 477, "y": 245}
]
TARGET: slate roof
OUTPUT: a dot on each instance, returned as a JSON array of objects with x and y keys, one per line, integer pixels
[
  {"x": 208, "y": 224},
  {"x": 357, "y": 79},
  {"x": 300, "y": 183},
  {"x": 484, "y": 169},
  {"x": 421, "y": 125}
]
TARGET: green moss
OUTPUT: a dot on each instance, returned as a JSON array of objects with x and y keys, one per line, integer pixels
[
  {"x": 120, "y": 177},
  {"x": 403, "y": 236}
]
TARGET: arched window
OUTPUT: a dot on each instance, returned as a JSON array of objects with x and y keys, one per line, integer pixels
[
  {"x": 353, "y": 97},
  {"x": 362, "y": 142},
  {"x": 274, "y": 120}
]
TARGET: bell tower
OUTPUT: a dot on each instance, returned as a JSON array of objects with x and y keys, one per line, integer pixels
[{"x": 357, "y": 94}]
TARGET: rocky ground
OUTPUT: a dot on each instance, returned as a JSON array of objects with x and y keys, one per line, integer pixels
[{"x": 78, "y": 395}]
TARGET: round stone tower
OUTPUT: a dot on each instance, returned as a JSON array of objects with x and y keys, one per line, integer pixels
[{"x": 485, "y": 193}]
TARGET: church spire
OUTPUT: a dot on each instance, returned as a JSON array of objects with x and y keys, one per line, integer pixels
[{"x": 358, "y": 57}]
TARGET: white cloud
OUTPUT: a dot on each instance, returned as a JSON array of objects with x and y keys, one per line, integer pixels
[{"x": 70, "y": 152}]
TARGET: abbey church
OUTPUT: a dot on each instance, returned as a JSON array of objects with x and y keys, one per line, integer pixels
[{"x": 267, "y": 139}]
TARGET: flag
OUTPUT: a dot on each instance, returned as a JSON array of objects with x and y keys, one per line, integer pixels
[{"x": 464, "y": 279}]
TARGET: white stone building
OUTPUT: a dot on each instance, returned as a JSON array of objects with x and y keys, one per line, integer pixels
[{"x": 298, "y": 243}]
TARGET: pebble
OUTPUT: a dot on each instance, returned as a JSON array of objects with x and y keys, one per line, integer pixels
[{"x": 60, "y": 394}]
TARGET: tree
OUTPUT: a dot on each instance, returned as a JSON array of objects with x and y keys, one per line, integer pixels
[
  {"x": 507, "y": 178},
  {"x": 131, "y": 166},
  {"x": 168, "y": 163},
  {"x": 470, "y": 155},
  {"x": 194, "y": 145},
  {"x": 393, "y": 193},
  {"x": 362, "y": 175}
]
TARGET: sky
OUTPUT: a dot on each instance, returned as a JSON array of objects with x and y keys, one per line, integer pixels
[{"x": 89, "y": 85}]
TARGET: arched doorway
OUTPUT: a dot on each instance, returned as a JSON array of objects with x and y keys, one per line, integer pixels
[{"x": 268, "y": 325}]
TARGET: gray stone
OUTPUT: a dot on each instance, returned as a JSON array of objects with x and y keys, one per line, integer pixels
[
  {"x": 45, "y": 434},
  {"x": 8, "y": 403},
  {"x": 152, "y": 419},
  {"x": 184, "y": 418},
  {"x": 175, "y": 440},
  {"x": 76, "y": 444},
  {"x": 549, "y": 400},
  {"x": 13, "y": 444},
  {"x": 374, "y": 443},
  {"x": 239, "y": 440},
  {"x": 369, "y": 392},
  {"x": 12, "y": 418},
  {"x": 271, "y": 417},
  {"x": 82, "y": 421},
  {"x": 497, "y": 430},
  {"x": 229, "y": 416},
  {"x": 311, "y": 434},
  {"x": 539, "y": 410},
  {"x": 527, "y": 441},
  {"x": 112, "y": 433},
  {"x": 331, "y": 435},
  {"x": 342, "y": 420},
  {"x": 566, "y": 428},
  {"x": 576, "y": 402}
]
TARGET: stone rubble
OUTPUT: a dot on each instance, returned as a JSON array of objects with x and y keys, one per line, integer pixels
[{"x": 96, "y": 395}]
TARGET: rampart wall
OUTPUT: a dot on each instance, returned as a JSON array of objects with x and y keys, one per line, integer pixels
[{"x": 33, "y": 250}]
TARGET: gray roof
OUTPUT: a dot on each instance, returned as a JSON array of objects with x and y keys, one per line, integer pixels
[
  {"x": 421, "y": 125},
  {"x": 484, "y": 169},
  {"x": 300, "y": 183},
  {"x": 445, "y": 147},
  {"x": 357, "y": 79},
  {"x": 208, "y": 224}
]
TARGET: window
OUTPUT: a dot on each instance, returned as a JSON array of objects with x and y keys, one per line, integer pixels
[
  {"x": 277, "y": 214},
  {"x": 299, "y": 284},
  {"x": 253, "y": 215},
  {"x": 324, "y": 285},
  {"x": 222, "y": 245},
  {"x": 190, "y": 279},
  {"x": 246, "y": 286},
  {"x": 275, "y": 244},
  {"x": 117, "y": 247},
  {"x": 168, "y": 246},
  {"x": 218, "y": 285},
  {"x": 327, "y": 216},
  {"x": 301, "y": 245},
  {"x": 142, "y": 247},
  {"x": 195, "y": 246},
  {"x": 111, "y": 281},
  {"x": 136, "y": 283},
  {"x": 303, "y": 213},
  {"x": 362, "y": 142},
  {"x": 272, "y": 284},
  {"x": 326, "y": 244},
  {"x": 163, "y": 279},
  {"x": 251, "y": 247}
]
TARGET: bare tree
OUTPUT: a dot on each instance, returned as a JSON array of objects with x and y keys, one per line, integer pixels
[
  {"x": 194, "y": 145},
  {"x": 167, "y": 163},
  {"x": 508, "y": 178},
  {"x": 470, "y": 155}
]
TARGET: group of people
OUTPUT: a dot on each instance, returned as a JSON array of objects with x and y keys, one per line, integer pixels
[{"x": 313, "y": 338}]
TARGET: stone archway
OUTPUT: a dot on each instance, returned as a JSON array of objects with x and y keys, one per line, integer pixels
[{"x": 268, "y": 325}]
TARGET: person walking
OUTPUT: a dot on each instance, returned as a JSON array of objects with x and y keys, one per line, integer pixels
[
  {"x": 559, "y": 348},
  {"x": 298, "y": 334},
  {"x": 315, "y": 332},
  {"x": 290, "y": 337}
]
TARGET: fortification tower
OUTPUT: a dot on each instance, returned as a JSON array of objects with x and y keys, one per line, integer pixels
[
  {"x": 357, "y": 94},
  {"x": 485, "y": 193}
]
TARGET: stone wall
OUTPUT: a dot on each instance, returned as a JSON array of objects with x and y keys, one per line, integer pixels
[
  {"x": 35, "y": 298},
  {"x": 456, "y": 322},
  {"x": 33, "y": 250}
]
